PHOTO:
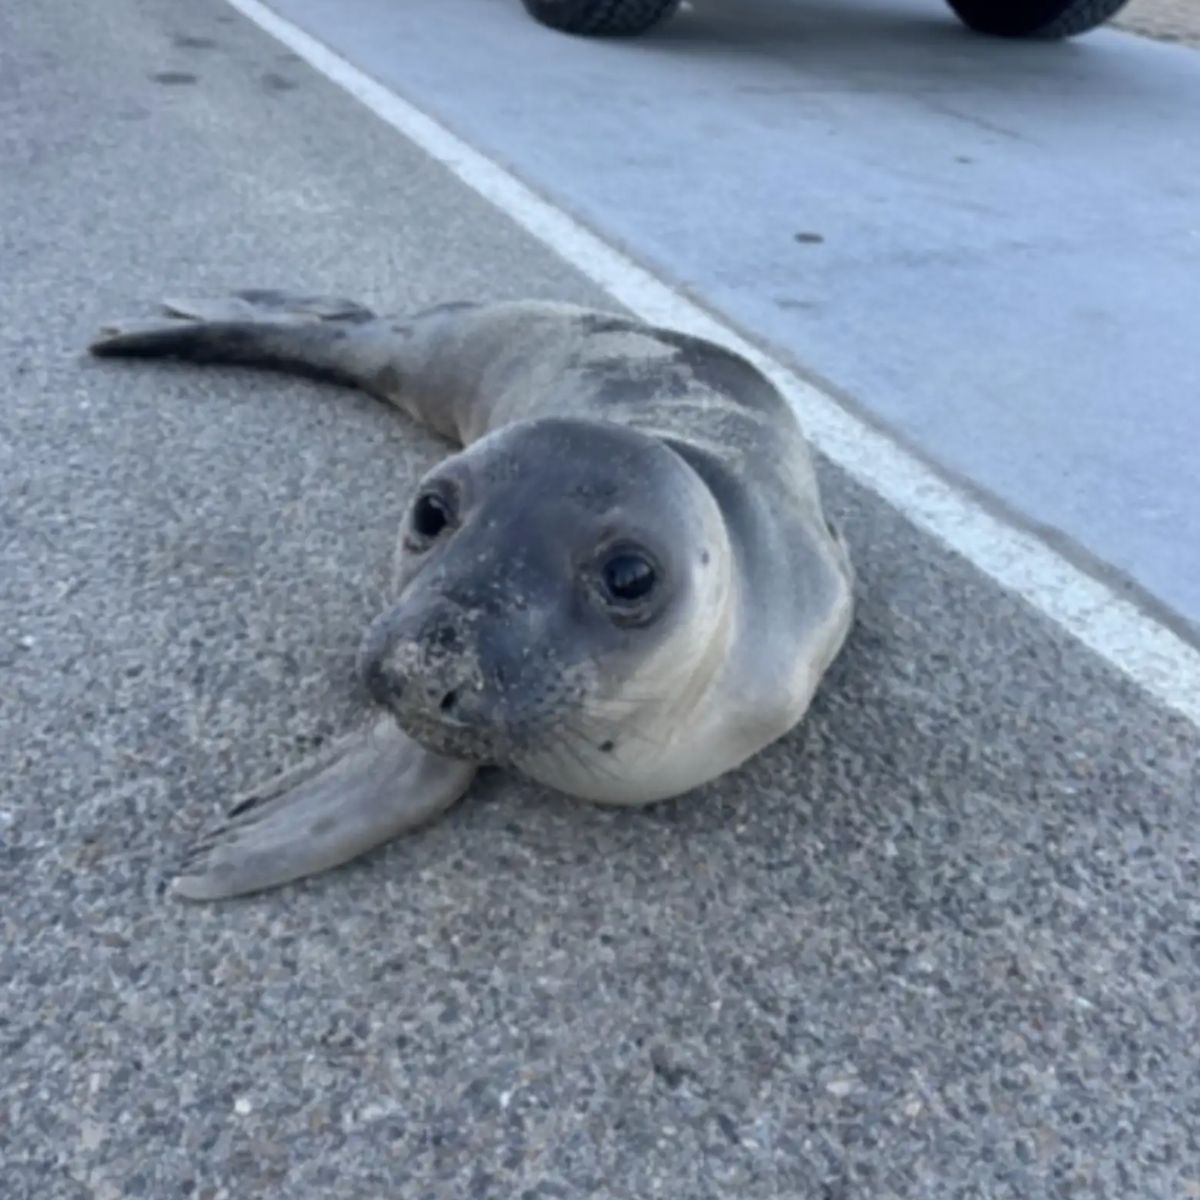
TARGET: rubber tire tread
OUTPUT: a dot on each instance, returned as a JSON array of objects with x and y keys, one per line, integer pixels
[
  {"x": 1048, "y": 21},
  {"x": 602, "y": 18}
]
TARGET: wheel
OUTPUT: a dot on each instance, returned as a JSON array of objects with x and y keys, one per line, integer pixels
[
  {"x": 601, "y": 18},
  {"x": 1035, "y": 18}
]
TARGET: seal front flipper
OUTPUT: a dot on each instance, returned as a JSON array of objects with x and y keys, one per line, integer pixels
[{"x": 372, "y": 786}]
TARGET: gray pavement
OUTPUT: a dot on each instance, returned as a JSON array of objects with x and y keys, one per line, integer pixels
[
  {"x": 992, "y": 248},
  {"x": 939, "y": 942}
]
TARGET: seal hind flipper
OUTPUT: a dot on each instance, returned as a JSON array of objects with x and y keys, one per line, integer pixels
[
  {"x": 258, "y": 327},
  {"x": 315, "y": 347},
  {"x": 328, "y": 338},
  {"x": 372, "y": 786}
]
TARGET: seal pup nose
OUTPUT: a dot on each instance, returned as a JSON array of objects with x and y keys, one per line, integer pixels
[
  {"x": 443, "y": 636},
  {"x": 421, "y": 664},
  {"x": 379, "y": 665},
  {"x": 384, "y": 685}
]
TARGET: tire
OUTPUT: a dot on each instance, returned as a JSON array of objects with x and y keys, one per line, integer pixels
[
  {"x": 601, "y": 18},
  {"x": 1048, "y": 19}
]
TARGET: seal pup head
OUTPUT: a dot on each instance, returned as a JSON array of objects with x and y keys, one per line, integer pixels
[{"x": 563, "y": 604}]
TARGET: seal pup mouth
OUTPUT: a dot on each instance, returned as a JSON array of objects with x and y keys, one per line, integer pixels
[
  {"x": 429, "y": 675},
  {"x": 445, "y": 735}
]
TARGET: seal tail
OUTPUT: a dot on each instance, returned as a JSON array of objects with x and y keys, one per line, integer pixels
[
  {"x": 302, "y": 335},
  {"x": 370, "y": 787}
]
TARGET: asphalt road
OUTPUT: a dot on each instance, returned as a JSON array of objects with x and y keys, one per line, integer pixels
[{"x": 941, "y": 941}]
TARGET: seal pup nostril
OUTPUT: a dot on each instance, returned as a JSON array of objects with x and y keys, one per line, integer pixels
[
  {"x": 445, "y": 637},
  {"x": 382, "y": 685},
  {"x": 380, "y": 674},
  {"x": 449, "y": 702}
]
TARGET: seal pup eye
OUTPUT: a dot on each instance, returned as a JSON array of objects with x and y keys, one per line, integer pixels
[
  {"x": 432, "y": 515},
  {"x": 629, "y": 577},
  {"x": 627, "y": 581}
]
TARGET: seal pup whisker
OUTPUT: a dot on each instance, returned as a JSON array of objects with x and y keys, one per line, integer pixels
[
  {"x": 567, "y": 752},
  {"x": 593, "y": 720},
  {"x": 579, "y": 744}
]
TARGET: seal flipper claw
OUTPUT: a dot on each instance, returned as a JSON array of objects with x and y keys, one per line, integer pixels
[
  {"x": 260, "y": 304},
  {"x": 207, "y": 308},
  {"x": 115, "y": 335},
  {"x": 372, "y": 786},
  {"x": 325, "y": 308}
]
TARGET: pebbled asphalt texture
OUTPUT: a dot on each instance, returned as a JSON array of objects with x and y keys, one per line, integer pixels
[
  {"x": 1166, "y": 20},
  {"x": 942, "y": 940}
]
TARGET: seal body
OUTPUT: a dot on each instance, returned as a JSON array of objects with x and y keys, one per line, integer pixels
[{"x": 623, "y": 585}]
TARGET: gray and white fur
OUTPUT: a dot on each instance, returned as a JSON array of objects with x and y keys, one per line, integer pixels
[{"x": 623, "y": 585}]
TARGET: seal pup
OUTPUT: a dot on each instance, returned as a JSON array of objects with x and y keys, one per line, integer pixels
[{"x": 622, "y": 586}]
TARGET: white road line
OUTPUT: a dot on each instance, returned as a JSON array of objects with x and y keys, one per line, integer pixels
[{"x": 1162, "y": 663}]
